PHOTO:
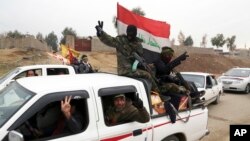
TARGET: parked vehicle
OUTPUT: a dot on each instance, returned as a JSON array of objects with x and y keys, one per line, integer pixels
[
  {"x": 205, "y": 82},
  {"x": 236, "y": 79},
  {"x": 40, "y": 70},
  {"x": 24, "y": 98}
]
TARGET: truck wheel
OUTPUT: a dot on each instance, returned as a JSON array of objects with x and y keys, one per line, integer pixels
[
  {"x": 171, "y": 138},
  {"x": 217, "y": 100},
  {"x": 247, "y": 89}
]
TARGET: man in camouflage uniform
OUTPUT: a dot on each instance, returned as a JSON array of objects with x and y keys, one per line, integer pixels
[
  {"x": 171, "y": 85},
  {"x": 124, "y": 110},
  {"x": 125, "y": 46},
  {"x": 168, "y": 82}
]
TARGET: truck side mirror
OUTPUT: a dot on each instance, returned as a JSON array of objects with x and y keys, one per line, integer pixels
[
  {"x": 15, "y": 136},
  {"x": 11, "y": 81},
  {"x": 202, "y": 93}
]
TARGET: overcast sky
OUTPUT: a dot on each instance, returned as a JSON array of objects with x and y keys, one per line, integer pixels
[{"x": 192, "y": 17}]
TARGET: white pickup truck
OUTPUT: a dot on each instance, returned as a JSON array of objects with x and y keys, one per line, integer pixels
[
  {"x": 40, "y": 70},
  {"x": 22, "y": 99}
]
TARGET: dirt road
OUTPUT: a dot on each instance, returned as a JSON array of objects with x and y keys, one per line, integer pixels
[{"x": 232, "y": 109}]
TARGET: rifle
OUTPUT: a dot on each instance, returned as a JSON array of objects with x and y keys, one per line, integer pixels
[
  {"x": 145, "y": 65},
  {"x": 182, "y": 81},
  {"x": 177, "y": 61}
]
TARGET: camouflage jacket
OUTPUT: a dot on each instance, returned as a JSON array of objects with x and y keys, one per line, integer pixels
[
  {"x": 124, "y": 50},
  {"x": 128, "y": 114}
]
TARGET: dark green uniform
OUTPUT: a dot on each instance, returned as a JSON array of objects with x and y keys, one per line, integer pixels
[
  {"x": 128, "y": 114},
  {"x": 168, "y": 84},
  {"x": 172, "y": 88},
  {"x": 125, "y": 57}
]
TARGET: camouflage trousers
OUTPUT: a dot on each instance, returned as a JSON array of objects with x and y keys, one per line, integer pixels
[
  {"x": 140, "y": 74},
  {"x": 172, "y": 88}
]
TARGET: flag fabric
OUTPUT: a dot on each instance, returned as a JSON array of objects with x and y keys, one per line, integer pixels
[
  {"x": 69, "y": 53},
  {"x": 65, "y": 51},
  {"x": 155, "y": 34},
  {"x": 59, "y": 57}
]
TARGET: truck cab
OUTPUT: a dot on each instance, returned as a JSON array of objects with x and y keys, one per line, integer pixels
[
  {"x": 39, "y": 70},
  {"x": 24, "y": 100}
]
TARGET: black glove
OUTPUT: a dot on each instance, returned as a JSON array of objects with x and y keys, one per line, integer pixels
[
  {"x": 99, "y": 28},
  {"x": 138, "y": 103}
]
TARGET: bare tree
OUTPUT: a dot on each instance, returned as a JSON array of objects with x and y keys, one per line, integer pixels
[
  {"x": 39, "y": 36},
  {"x": 181, "y": 38},
  {"x": 173, "y": 42},
  {"x": 203, "y": 43}
]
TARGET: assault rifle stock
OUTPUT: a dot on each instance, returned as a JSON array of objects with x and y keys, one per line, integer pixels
[
  {"x": 145, "y": 65},
  {"x": 176, "y": 62}
]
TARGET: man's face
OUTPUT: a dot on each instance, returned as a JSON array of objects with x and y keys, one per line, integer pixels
[
  {"x": 131, "y": 32},
  {"x": 168, "y": 58},
  {"x": 30, "y": 73},
  {"x": 131, "y": 36},
  {"x": 119, "y": 103},
  {"x": 85, "y": 59}
]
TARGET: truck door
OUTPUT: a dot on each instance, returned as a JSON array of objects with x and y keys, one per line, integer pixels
[
  {"x": 44, "y": 120},
  {"x": 215, "y": 88},
  {"x": 118, "y": 129},
  {"x": 209, "y": 91}
]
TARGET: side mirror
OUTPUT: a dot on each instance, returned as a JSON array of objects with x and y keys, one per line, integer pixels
[
  {"x": 11, "y": 81},
  {"x": 15, "y": 136},
  {"x": 202, "y": 93}
]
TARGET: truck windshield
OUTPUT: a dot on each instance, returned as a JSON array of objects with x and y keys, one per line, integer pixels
[
  {"x": 198, "y": 80},
  {"x": 12, "y": 98},
  {"x": 7, "y": 75},
  {"x": 238, "y": 72}
]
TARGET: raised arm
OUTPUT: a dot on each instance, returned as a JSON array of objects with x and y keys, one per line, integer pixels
[{"x": 104, "y": 37}]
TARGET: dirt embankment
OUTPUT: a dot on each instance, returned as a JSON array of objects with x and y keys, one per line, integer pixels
[
  {"x": 106, "y": 61},
  {"x": 212, "y": 63}
]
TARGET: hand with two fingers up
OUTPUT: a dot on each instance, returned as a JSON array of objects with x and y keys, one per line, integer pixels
[
  {"x": 66, "y": 107},
  {"x": 99, "y": 28}
]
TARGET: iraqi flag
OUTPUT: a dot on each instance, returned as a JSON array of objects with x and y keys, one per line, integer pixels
[{"x": 155, "y": 34}]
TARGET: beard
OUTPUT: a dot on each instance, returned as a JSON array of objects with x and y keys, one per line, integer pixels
[{"x": 119, "y": 109}]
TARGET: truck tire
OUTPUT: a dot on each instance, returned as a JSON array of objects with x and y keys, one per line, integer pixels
[
  {"x": 171, "y": 138},
  {"x": 217, "y": 100},
  {"x": 247, "y": 89}
]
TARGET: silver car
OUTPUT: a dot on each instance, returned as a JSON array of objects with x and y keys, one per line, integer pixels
[{"x": 236, "y": 79}]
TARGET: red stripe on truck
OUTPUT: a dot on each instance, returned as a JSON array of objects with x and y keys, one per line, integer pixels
[{"x": 130, "y": 134}]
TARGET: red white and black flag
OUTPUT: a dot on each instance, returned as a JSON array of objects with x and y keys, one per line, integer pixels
[{"x": 155, "y": 34}]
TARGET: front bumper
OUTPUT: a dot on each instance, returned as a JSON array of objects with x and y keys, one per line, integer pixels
[{"x": 234, "y": 87}]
